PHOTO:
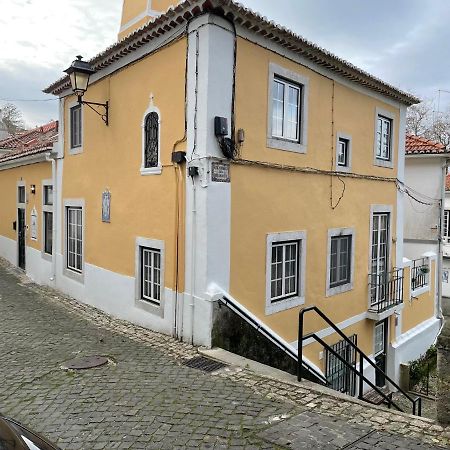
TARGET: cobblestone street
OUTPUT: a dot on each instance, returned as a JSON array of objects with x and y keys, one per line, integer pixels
[{"x": 146, "y": 399}]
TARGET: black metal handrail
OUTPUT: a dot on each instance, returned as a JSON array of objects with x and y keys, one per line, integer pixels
[
  {"x": 290, "y": 351},
  {"x": 386, "y": 290},
  {"x": 416, "y": 402},
  {"x": 419, "y": 271}
]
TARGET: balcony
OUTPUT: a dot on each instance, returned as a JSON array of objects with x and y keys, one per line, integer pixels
[
  {"x": 386, "y": 294},
  {"x": 420, "y": 269}
]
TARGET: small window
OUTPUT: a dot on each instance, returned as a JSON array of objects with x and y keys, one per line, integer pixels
[
  {"x": 151, "y": 150},
  {"x": 21, "y": 194},
  {"x": 48, "y": 232},
  {"x": 286, "y": 103},
  {"x": 340, "y": 260},
  {"x": 384, "y": 138},
  {"x": 343, "y": 152},
  {"x": 284, "y": 270},
  {"x": 74, "y": 239},
  {"x": 150, "y": 262},
  {"x": 48, "y": 195},
  {"x": 75, "y": 126}
]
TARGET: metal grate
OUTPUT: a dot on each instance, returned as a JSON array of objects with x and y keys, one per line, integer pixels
[{"x": 204, "y": 364}]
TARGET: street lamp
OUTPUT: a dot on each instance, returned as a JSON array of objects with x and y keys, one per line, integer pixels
[{"x": 79, "y": 73}]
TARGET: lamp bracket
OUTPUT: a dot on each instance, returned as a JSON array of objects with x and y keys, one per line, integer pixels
[{"x": 104, "y": 116}]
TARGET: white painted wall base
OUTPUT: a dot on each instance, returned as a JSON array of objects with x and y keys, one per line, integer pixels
[
  {"x": 411, "y": 345},
  {"x": 38, "y": 268},
  {"x": 8, "y": 249},
  {"x": 115, "y": 294}
]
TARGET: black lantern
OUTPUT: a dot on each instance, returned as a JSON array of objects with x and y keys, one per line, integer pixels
[{"x": 79, "y": 73}]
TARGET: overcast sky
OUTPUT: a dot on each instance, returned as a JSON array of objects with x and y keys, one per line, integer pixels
[{"x": 404, "y": 42}]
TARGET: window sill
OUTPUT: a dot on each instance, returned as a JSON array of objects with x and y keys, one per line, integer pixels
[
  {"x": 344, "y": 169},
  {"x": 420, "y": 291},
  {"x": 75, "y": 150},
  {"x": 76, "y": 276},
  {"x": 286, "y": 145},
  {"x": 151, "y": 170},
  {"x": 282, "y": 305},
  {"x": 156, "y": 310},
  {"x": 46, "y": 256},
  {"x": 339, "y": 289},
  {"x": 383, "y": 163}
]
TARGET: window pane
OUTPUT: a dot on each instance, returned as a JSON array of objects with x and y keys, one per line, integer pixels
[
  {"x": 342, "y": 158},
  {"x": 151, "y": 275},
  {"x": 151, "y": 140},
  {"x": 340, "y": 259},
  {"x": 278, "y": 108},
  {"x": 74, "y": 239},
  {"x": 292, "y": 113},
  {"x": 284, "y": 270}
]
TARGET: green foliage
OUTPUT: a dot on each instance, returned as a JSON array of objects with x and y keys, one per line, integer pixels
[{"x": 419, "y": 369}]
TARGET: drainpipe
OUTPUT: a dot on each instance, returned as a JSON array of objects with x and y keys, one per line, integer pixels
[
  {"x": 193, "y": 256},
  {"x": 52, "y": 159}
]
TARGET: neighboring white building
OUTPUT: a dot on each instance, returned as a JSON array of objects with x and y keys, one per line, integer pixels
[
  {"x": 424, "y": 226},
  {"x": 446, "y": 242}
]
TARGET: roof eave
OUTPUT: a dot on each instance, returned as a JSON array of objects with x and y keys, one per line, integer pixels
[{"x": 246, "y": 18}]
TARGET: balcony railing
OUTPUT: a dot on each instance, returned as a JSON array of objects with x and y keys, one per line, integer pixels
[
  {"x": 419, "y": 273},
  {"x": 386, "y": 290}
]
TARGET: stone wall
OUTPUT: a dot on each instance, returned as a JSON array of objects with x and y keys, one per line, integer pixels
[{"x": 443, "y": 350}]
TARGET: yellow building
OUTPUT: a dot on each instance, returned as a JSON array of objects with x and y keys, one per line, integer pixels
[{"x": 243, "y": 165}]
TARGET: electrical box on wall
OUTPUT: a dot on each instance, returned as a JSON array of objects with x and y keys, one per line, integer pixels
[{"x": 220, "y": 126}]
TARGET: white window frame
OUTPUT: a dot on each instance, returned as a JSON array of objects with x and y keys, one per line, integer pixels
[
  {"x": 47, "y": 209},
  {"x": 75, "y": 203},
  {"x": 299, "y": 299},
  {"x": 79, "y": 149},
  {"x": 23, "y": 184},
  {"x": 294, "y": 78},
  {"x": 380, "y": 209},
  {"x": 377, "y": 161},
  {"x": 336, "y": 232},
  {"x": 158, "y": 169},
  {"x": 446, "y": 225},
  {"x": 153, "y": 308},
  {"x": 348, "y": 166}
]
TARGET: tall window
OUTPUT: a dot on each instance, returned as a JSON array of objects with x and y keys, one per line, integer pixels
[
  {"x": 384, "y": 138},
  {"x": 74, "y": 238},
  {"x": 379, "y": 257},
  {"x": 75, "y": 126},
  {"x": 150, "y": 275},
  {"x": 445, "y": 231},
  {"x": 48, "y": 219},
  {"x": 340, "y": 260},
  {"x": 286, "y": 98},
  {"x": 284, "y": 270},
  {"x": 151, "y": 140},
  {"x": 21, "y": 194}
]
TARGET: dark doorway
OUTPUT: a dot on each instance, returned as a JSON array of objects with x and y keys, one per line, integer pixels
[
  {"x": 381, "y": 330},
  {"x": 21, "y": 237}
]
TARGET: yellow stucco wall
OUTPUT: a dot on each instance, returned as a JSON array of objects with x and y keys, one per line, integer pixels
[
  {"x": 269, "y": 200},
  {"x": 131, "y": 9},
  {"x": 32, "y": 174},
  {"x": 111, "y": 159},
  {"x": 420, "y": 307}
]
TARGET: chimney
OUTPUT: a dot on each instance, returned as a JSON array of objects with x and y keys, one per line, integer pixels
[{"x": 137, "y": 13}]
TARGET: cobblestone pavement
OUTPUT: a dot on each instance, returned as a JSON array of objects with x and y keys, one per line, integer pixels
[{"x": 145, "y": 399}]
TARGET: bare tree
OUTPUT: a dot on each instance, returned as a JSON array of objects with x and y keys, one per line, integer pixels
[
  {"x": 12, "y": 118},
  {"x": 419, "y": 118},
  {"x": 423, "y": 121}
]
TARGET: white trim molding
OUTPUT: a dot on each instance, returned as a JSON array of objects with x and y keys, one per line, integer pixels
[
  {"x": 142, "y": 242},
  {"x": 377, "y": 161},
  {"x": 75, "y": 150},
  {"x": 299, "y": 299},
  {"x": 158, "y": 169},
  {"x": 75, "y": 203},
  {"x": 303, "y": 82},
  {"x": 335, "y": 232},
  {"x": 348, "y": 167},
  {"x": 46, "y": 208}
]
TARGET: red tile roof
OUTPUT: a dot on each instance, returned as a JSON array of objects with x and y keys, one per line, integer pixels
[
  {"x": 31, "y": 142},
  {"x": 416, "y": 145}
]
